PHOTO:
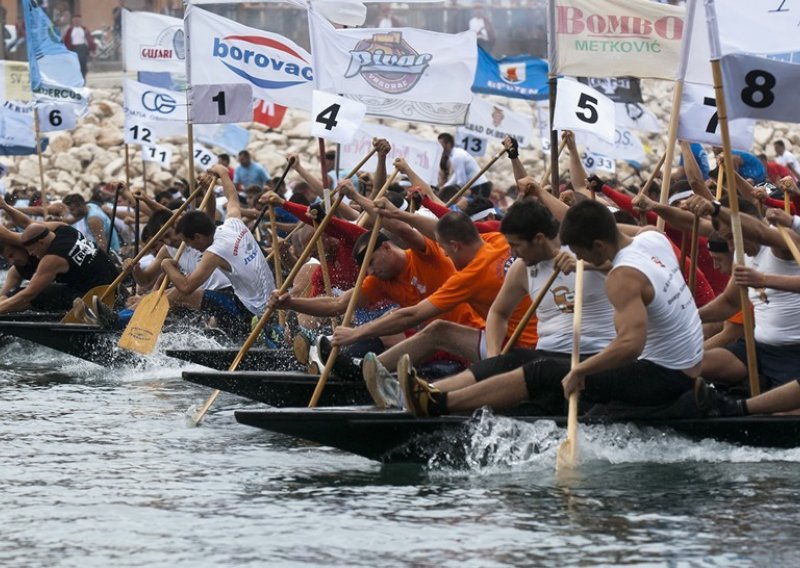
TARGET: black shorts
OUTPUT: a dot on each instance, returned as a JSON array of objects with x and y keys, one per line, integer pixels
[
  {"x": 514, "y": 359},
  {"x": 777, "y": 364},
  {"x": 229, "y": 311},
  {"x": 55, "y": 297},
  {"x": 639, "y": 383}
]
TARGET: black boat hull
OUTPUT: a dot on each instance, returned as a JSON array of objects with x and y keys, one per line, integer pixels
[
  {"x": 281, "y": 388},
  {"x": 260, "y": 359},
  {"x": 395, "y": 436}
]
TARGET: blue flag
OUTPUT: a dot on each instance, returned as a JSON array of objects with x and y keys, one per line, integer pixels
[
  {"x": 55, "y": 71},
  {"x": 518, "y": 77}
]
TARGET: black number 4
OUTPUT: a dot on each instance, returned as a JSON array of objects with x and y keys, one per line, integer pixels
[
  {"x": 328, "y": 116},
  {"x": 711, "y": 127},
  {"x": 585, "y": 103}
]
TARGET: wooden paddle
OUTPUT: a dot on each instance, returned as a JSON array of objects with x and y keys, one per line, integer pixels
[
  {"x": 277, "y": 187},
  {"x": 693, "y": 254},
  {"x": 107, "y": 293},
  {"x": 474, "y": 178},
  {"x": 547, "y": 168},
  {"x": 567, "y": 457},
  {"x": 362, "y": 219},
  {"x": 144, "y": 328},
  {"x": 273, "y": 225},
  {"x": 790, "y": 244},
  {"x": 523, "y": 323},
  {"x": 351, "y": 308}
]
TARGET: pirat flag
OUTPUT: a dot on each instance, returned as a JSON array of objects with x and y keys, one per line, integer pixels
[
  {"x": 54, "y": 70},
  {"x": 615, "y": 38}
]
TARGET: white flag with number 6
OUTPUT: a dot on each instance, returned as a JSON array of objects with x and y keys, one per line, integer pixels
[
  {"x": 56, "y": 117},
  {"x": 580, "y": 107},
  {"x": 335, "y": 118}
]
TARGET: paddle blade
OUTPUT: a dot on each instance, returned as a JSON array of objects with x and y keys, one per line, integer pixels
[
  {"x": 567, "y": 456},
  {"x": 145, "y": 326},
  {"x": 73, "y": 316}
]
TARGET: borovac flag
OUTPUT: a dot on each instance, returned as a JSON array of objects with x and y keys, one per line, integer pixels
[
  {"x": 393, "y": 63},
  {"x": 601, "y": 38},
  {"x": 153, "y": 42},
  {"x": 54, "y": 70},
  {"x": 223, "y": 51},
  {"x": 152, "y": 104},
  {"x": 518, "y": 77},
  {"x": 490, "y": 120}
]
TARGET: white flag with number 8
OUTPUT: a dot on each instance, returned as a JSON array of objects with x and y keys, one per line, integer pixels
[
  {"x": 580, "y": 107},
  {"x": 335, "y": 118}
]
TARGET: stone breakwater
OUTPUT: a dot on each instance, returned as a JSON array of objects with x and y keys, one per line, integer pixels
[{"x": 93, "y": 152}]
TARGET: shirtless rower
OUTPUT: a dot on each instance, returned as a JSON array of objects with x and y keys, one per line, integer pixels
[{"x": 653, "y": 359}]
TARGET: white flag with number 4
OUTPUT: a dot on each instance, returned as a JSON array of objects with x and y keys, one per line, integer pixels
[
  {"x": 580, "y": 107},
  {"x": 336, "y": 118}
]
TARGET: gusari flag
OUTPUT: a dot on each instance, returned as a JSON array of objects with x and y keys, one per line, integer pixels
[
  {"x": 54, "y": 70},
  {"x": 602, "y": 38},
  {"x": 153, "y": 42},
  {"x": 393, "y": 63},
  {"x": 224, "y": 51}
]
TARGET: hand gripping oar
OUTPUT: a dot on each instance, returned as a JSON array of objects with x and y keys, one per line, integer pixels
[
  {"x": 142, "y": 332},
  {"x": 267, "y": 314},
  {"x": 277, "y": 187},
  {"x": 351, "y": 308},
  {"x": 482, "y": 171},
  {"x": 107, "y": 292},
  {"x": 523, "y": 323},
  {"x": 567, "y": 456}
]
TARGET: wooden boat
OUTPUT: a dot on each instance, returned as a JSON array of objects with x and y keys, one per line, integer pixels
[
  {"x": 391, "y": 436},
  {"x": 257, "y": 359},
  {"x": 281, "y": 388}
]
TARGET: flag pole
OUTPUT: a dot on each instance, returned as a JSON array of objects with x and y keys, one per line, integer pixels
[
  {"x": 669, "y": 153},
  {"x": 189, "y": 125},
  {"x": 42, "y": 189},
  {"x": 144, "y": 174}
]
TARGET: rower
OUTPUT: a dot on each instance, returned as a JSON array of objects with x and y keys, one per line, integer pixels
[
  {"x": 658, "y": 348},
  {"x": 91, "y": 220}
]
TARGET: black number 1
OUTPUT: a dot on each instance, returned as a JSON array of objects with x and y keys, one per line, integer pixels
[{"x": 220, "y": 100}]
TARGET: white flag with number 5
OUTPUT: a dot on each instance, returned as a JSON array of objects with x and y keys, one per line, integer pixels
[
  {"x": 580, "y": 107},
  {"x": 335, "y": 118}
]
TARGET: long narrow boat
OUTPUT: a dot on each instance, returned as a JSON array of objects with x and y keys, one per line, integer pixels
[
  {"x": 393, "y": 436},
  {"x": 258, "y": 359},
  {"x": 281, "y": 388}
]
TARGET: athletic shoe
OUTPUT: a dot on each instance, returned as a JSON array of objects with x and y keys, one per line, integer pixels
[
  {"x": 714, "y": 404},
  {"x": 344, "y": 367},
  {"x": 382, "y": 386},
  {"x": 315, "y": 361},
  {"x": 106, "y": 317},
  {"x": 420, "y": 398},
  {"x": 82, "y": 312}
]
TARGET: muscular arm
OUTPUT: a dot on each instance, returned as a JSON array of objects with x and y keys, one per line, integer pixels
[
  {"x": 49, "y": 267},
  {"x": 626, "y": 291},
  {"x": 723, "y": 306},
  {"x": 96, "y": 227},
  {"x": 396, "y": 321},
  {"x": 189, "y": 283},
  {"x": 13, "y": 280},
  {"x": 233, "y": 207},
  {"x": 514, "y": 289},
  {"x": 322, "y": 306}
]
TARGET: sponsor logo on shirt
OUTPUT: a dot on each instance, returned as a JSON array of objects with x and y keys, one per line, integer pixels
[
  {"x": 81, "y": 250},
  {"x": 238, "y": 241}
]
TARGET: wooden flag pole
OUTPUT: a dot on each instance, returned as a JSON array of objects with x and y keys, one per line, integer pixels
[
  {"x": 474, "y": 178},
  {"x": 552, "y": 83},
  {"x": 669, "y": 154},
  {"x": 736, "y": 227},
  {"x": 550, "y": 164},
  {"x": 42, "y": 188}
]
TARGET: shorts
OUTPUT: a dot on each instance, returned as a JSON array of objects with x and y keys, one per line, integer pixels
[
  {"x": 777, "y": 364},
  {"x": 54, "y": 298},
  {"x": 638, "y": 383},
  {"x": 229, "y": 311},
  {"x": 514, "y": 359}
]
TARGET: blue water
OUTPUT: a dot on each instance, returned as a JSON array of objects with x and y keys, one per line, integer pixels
[{"x": 100, "y": 468}]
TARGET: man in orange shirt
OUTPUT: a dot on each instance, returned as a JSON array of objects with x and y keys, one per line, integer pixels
[{"x": 482, "y": 261}]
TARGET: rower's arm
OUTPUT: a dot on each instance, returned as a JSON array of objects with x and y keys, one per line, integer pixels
[
  {"x": 625, "y": 287},
  {"x": 191, "y": 282},
  {"x": 49, "y": 267},
  {"x": 233, "y": 209},
  {"x": 17, "y": 217},
  {"x": 13, "y": 280},
  {"x": 322, "y": 306},
  {"x": 382, "y": 147},
  {"x": 96, "y": 227},
  {"x": 388, "y": 324},
  {"x": 513, "y": 290},
  {"x": 723, "y": 306},
  {"x": 693, "y": 173}
]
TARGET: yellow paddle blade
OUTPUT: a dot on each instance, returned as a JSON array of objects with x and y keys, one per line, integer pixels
[
  {"x": 145, "y": 326},
  {"x": 567, "y": 456},
  {"x": 72, "y": 315}
]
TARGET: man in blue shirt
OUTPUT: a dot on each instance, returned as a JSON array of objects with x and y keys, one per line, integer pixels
[{"x": 249, "y": 173}]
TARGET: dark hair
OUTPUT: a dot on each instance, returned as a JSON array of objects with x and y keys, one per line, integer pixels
[
  {"x": 457, "y": 226},
  {"x": 478, "y": 204},
  {"x": 73, "y": 199},
  {"x": 587, "y": 222},
  {"x": 299, "y": 198},
  {"x": 195, "y": 222},
  {"x": 360, "y": 246},
  {"x": 528, "y": 218},
  {"x": 447, "y": 137},
  {"x": 679, "y": 187},
  {"x": 716, "y": 243},
  {"x": 622, "y": 217},
  {"x": 780, "y": 143},
  {"x": 244, "y": 153},
  {"x": 396, "y": 198},
  {"x": 224, "y": 159},
  {"x": 447, "y": 192}
]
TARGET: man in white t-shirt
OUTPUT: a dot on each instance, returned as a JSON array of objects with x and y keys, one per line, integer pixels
[
  {"x": 786, "y": 158},
  {"x": 458, "y": 167},
  {"x": 232, "y": 249}
]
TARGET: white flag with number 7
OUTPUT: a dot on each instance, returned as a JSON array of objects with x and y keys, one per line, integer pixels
[
  {"x": 335, "y": 118},
  {"x": 580, "y": 107}
]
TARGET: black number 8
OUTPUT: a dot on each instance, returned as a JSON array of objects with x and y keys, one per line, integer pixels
[{"x": 760, "y": 82}]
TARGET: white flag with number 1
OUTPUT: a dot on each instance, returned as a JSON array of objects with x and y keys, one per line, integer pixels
[
  {"x": 580, "y": 107},
  {"x": 336, "y": 118}
]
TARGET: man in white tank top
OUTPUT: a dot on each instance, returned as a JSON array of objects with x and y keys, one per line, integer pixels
[
  {"x": 773, "y": 280},
  {"x": 658, "y": 348}
]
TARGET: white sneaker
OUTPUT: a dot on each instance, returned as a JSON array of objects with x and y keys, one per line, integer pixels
[{"x": 382, "y": 386}]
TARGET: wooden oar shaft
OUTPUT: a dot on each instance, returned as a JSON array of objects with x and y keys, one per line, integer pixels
[
  {"x": 362, "y": 219},
  {"x": 277, "y": 187},
  {"x": 547, "y": 168},
  {"x": 790, "y": 244},
  {"x": 653, "y": 174},
  {"x": 474, "y": 178},
  {"x": 523, "y": 323},
  {"x": 669, "y": 153},
  {"x": 787, "y": 207},
  {"x": 351, "y": 308},
  {"x": 719, "y": 182},
  {"x": 694, "y": 253},
  {"x": 572, "y": 416}
]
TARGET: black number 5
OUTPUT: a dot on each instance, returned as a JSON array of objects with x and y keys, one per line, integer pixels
[{"x": 589, "y": 104}]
